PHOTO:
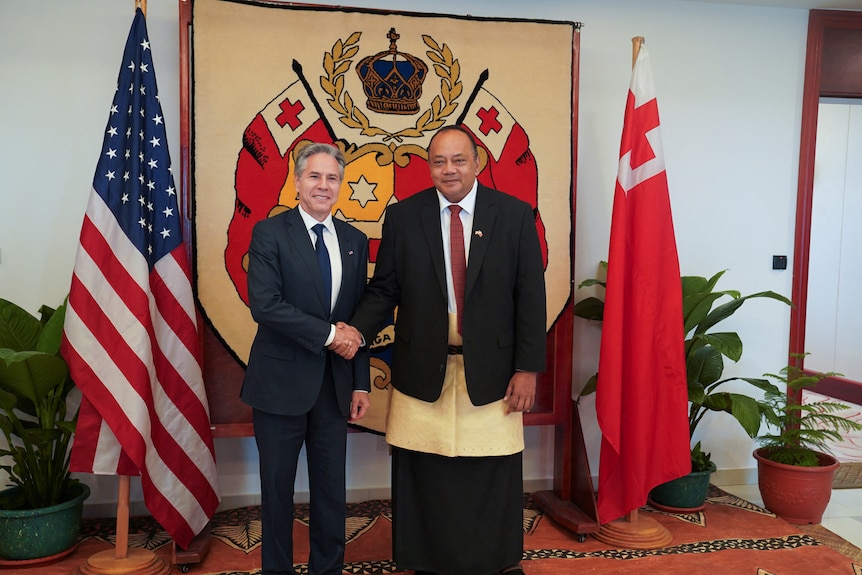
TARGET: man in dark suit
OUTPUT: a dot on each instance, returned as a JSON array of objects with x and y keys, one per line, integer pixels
[
  {"x": 468, "y": 347},
  {"x": 306, "y": 274}
]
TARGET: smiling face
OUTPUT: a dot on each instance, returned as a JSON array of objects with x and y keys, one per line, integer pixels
[
  {"x": 454, "y": 165},
  {"x": 318, "y": 185}
]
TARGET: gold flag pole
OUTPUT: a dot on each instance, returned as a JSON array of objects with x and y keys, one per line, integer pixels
[
  {"x": 142, "y": 4},
  {"x": 637, "y": 42}
]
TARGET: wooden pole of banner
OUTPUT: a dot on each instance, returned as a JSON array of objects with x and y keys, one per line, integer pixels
[
  {"x": 634, "y": 531},
  {"x": 200, "y": 545},
  {"x": 572, "y": 502}
]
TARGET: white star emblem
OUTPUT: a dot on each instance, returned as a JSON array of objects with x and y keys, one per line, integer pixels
[{"x": 363, "y": 191}]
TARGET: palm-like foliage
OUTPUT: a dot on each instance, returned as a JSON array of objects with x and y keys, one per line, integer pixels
[{"x": 800, "y": 430}]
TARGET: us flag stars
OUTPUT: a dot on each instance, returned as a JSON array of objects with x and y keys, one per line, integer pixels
[{"x": 144, "y": 199}]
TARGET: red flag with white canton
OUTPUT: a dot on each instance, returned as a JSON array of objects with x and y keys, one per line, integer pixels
[
  {"x": 641, "y": 397},
  {"x": 131, "y": 337}
]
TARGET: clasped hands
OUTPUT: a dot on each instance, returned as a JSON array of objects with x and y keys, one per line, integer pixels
[{"x": 347, "y": 340}]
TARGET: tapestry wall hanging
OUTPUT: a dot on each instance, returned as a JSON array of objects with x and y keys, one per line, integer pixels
[{"x": 268, "y": 77}]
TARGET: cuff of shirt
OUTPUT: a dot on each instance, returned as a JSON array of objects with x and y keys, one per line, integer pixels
[{"x": 331, "y": 336}]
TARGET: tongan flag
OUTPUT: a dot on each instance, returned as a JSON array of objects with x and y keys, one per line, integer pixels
[
  {"x": 131, "y": 337},
  {"x": 641, "y": 397}
]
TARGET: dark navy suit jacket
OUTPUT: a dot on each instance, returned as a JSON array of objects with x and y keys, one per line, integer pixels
[{"x": 285, "y": 291}]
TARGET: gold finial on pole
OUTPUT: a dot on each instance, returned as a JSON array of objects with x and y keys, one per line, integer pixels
[
  {"x": 637, "y": 42},
  {"x": 142, "y": 4}
]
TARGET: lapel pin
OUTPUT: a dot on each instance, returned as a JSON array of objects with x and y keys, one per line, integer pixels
[
  {"x": 478, "y": 233},
  {"x": 350, "y": 252}
]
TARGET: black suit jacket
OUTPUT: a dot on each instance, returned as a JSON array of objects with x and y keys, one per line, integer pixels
[
  {"x": 285, "y": 292},
  {"x": 504, "y": 299}
]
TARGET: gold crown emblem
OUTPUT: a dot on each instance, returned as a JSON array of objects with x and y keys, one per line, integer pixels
[{"x": 392, "y": 80}]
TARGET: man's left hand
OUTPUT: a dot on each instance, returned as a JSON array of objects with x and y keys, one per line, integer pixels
[
  {"x": 521, "y": 393},
  {"x": 359, "y": 406}
]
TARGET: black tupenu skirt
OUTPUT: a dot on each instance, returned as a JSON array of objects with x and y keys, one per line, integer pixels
[{"x": 456, "y": 515}]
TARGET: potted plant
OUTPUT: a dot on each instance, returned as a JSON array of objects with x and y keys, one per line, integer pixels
[
  {"x": 704, "y": 308},
  {"x": 794, "y": 467},
  {"x": 34, "y": 388}
]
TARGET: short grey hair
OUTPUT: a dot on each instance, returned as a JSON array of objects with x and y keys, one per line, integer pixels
[{"x": 319, "y": 148}]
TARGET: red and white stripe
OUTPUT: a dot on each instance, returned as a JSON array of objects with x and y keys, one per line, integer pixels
[{"x": 132, "y": 345}]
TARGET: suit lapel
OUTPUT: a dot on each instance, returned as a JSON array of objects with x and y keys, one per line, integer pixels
[
  {"x": 298, "y": 234},
  {"x": 429, "y": 215},
  {"x": 483, "y": 227}
]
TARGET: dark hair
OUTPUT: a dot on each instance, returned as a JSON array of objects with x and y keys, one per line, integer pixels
[
  {"x": 456, "y": 128},
  {"x": 319, "y": 148}
]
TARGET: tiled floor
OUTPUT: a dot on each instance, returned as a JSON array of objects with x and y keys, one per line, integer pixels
[{"x": 843, "y": 516}]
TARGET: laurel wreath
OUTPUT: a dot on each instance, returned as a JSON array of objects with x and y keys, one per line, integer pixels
[{"x": 337, "y": 62}]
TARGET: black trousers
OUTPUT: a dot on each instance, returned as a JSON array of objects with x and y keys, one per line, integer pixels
[{"x": 279, "y": 440}]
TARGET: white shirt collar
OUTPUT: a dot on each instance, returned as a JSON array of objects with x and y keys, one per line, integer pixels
[
  {"x": 310, "y": 222},
  {"x": 467, "y": 203}
]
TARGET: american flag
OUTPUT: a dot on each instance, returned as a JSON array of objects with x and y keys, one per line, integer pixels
[{"x": 131, "y": 337}]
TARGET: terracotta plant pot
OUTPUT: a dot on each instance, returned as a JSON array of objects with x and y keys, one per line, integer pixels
[{"x": 796, "y": 494}]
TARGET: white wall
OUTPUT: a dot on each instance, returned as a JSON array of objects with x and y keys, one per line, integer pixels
[{"x": 729, "y": 83}]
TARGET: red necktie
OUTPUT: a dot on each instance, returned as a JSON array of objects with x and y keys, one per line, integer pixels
[{"x": 459, "y": 260}]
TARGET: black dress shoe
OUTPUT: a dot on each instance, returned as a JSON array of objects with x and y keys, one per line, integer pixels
[
  {"x": 424, "y": 573},
  {"x": 514, "y": 570}
]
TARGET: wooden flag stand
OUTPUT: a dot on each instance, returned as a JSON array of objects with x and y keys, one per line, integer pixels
[
  {"x": 572, "y": 502},
  {"x": 634, "y": 531},
  {"x": 121, "y": 560}
]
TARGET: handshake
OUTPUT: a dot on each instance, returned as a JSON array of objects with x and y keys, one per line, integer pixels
[{"x": 347, "y": 340}]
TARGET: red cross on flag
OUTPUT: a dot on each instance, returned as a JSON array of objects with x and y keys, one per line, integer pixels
[
  {"x": 491, "y": 122},
  {"x": 641, "y": 397}
]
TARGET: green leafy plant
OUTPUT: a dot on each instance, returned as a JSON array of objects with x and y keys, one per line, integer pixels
[
  {"x": 34, "y": 387},
  {"x": 705, "y": 350},
  {"x": 700, "y": 460},
  {"x": 704, "y": 308},
  {"x": 799, "y": 430}
]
